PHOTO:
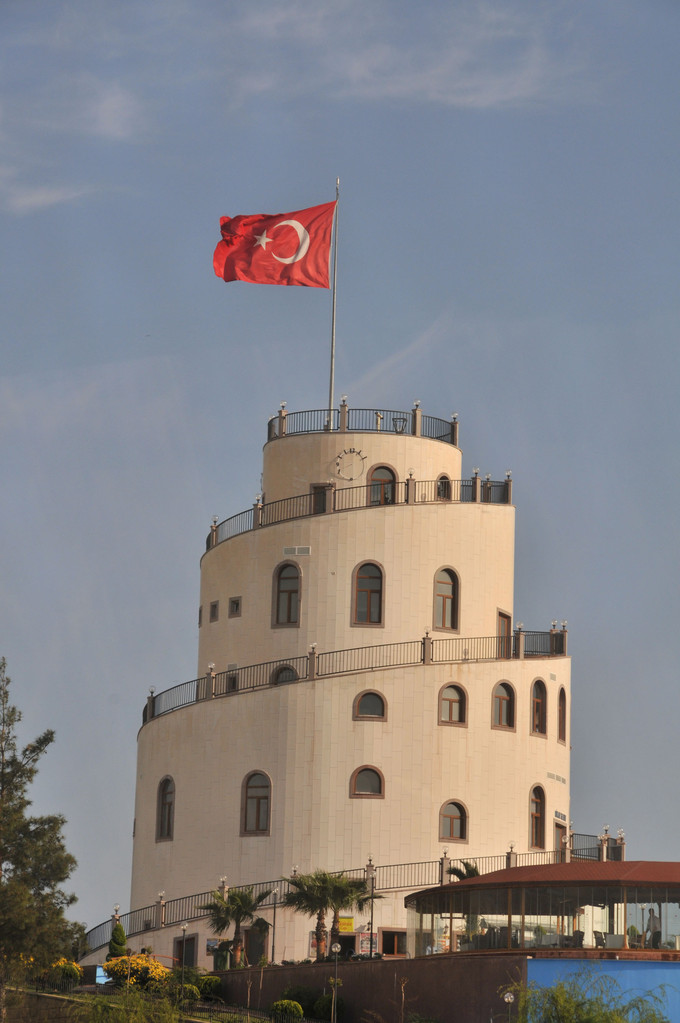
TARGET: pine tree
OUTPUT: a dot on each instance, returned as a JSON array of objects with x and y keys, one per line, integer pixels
[
  {"x": 118, "y": 942},
  {"x": 33, "y": 859}
]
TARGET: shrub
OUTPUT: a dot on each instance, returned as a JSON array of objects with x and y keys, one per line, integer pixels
[
  {"x": 191, "y": 993},
  {"x": 286, "y": 1009},
  {"x": 118, "y": 943},
  {"x": 306, "y": 996},
  {"x": 64, "y": 971},
  {"x": 323, "y": 1006},
  {"x": 210, "y": 987},
  {"x": 142, "y": 971}
]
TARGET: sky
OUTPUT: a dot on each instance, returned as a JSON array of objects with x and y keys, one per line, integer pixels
[{"x": 508, "y": 250}]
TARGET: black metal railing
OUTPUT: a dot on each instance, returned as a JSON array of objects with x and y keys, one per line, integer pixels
[
  {"x": 365, "y": 658},
  {"x": 388, "y": 877},
  {"x": 300, "y": 506},
  {"x": 454, "y": 650}
]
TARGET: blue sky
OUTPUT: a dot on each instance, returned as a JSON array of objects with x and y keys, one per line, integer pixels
[{"x": 509, "y": 228}]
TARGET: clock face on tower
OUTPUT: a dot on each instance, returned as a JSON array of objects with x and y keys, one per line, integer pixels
[{"x": 350, "y": 464}]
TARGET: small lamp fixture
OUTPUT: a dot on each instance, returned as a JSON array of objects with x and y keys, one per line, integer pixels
[
  {"x": 519, "y": 626},
  {"x": 152, "y": 690},
  {"x": 410, "y": 473},
  {"x": 116, "y": 908},
  {"x": 313, "y": 646},
  {"x": 343, "y": 399},
  {"x": 223, "y": 880},
  {"x": 475, "y": 471},
  {"x": 488, "y": 477},
  {"x": 416, "y": 403},
  {"x": 508, "y": 474},
  {"x": 214, "y": 520},
  {"x": 512, "y": 846},
  {"x": 283, "y": 405},
  {"x": 454, "y": 417},
  {"x": 161, "y": 895},
  {"x": 294, "y": 871},
  {"x": 564, "y": 623},
  {"x": 554, "y": 623}
]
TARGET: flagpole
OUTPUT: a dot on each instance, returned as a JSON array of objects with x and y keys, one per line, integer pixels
[{"x": 335, "y": 278}]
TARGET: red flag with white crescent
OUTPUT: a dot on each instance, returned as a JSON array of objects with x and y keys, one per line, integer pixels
[{"x": 283, "y": 248}]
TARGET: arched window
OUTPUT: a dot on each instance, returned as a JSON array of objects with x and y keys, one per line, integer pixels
[
  {"x": 369, "y": 705},
  {"x": 368, "y": 595},
  {"x": 538, "y": 708},
  {"x": 503, "y": 706},
  {"x": 367, "y": 783},
  {"x": 284, "y": 674},
  {"x": 446, "y": 599},
  {"x": 452, "y": 823},
  {"x": 381, "y": 486},
  {"x": 255, "y": 804},
  {"x": 537, "y": 821},
  {"x": 165, "y": 817},
  {"x": 287, "y": 595},
  {"x": 452, "y": 706},
  {"x": 443, "y": 488},
  {"x": 562, "y": 716}
]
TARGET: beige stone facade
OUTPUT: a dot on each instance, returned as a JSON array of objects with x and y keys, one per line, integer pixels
[{"x": 307, "y": 735}]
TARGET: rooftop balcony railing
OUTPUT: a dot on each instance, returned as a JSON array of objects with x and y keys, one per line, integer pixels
[
  {"x": 329, "y": 499},
  {"x": 388, "y": 878},
  {"x": 363, "y": 420},
  {"x": 316, "y": 665}
]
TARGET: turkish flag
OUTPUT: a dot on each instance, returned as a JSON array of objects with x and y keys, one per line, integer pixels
[{"x": 284, "y": 248}]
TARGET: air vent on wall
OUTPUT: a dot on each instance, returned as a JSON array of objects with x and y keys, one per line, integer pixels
[{"x": 296, "y": 552}]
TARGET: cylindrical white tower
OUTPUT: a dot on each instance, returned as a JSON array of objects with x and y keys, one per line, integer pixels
[{"x": 361, "y": 688}]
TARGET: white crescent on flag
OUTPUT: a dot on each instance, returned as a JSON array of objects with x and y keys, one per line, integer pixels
[{"x": 303, "y": 241}]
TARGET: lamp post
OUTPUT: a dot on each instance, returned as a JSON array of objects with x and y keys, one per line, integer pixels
[
  {"x": 370, "y": 870},
  {"x": 184, "y": 944},
  {"x": 276, "y": 896},
  {"x": 509, "y": 998},
  {"x": 335, "y": 948}
]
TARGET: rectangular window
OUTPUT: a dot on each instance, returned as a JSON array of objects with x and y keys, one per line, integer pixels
[
  {"x": 394, "y": 943},
  {"x": 214, "y": 610},
  {"x": 200, "y": 616},
  {"x": 234, "y": 607}
]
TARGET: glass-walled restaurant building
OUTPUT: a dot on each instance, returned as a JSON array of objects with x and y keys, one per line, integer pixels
[{"x": 631, "y": 906}]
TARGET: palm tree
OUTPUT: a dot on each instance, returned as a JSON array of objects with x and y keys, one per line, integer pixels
[
  {"x": 467, "y": 870},
  {"x": 347, "y": 893},
  {"x": 309, "y": 894},
  {"x": 237, "y": 907},
  {"x": 316, "y": 893}
]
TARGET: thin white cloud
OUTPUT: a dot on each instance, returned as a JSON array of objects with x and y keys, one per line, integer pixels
[{"x": 18, "y": 199}]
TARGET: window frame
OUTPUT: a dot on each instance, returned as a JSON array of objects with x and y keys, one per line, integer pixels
[
  {"x": 462, "y": 816},
  {"x": 234, "y": 607},
  {"x": 562, "y": 715},
  {"x": 539, "y": 708},
  {"x": 277, "y": 592},
  {"x": 356, "y": 716},
  {"x": 454, "y": 598},
  {"x": 257, "y": 832},
  {"x": 443, "y": 487},
  {"x": 356, "y": 576},
  {"x": 165, "y": 819},
  {"x": 462, "y": 722},
  {"x": 276, "y": 676},
  {"x": 387, "y": 486},
  {"x": 512, "y": 698},
  {"x": 353, "y": 794},
  {"x": 537, "y": 817},
  {"x": 214, "y": 613}
]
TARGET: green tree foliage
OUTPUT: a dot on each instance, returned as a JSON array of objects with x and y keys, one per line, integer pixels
[
  {"x": 285, "y": 1009},
  {"x": 237, "y": 907},
  {"x": 585, "y": 997},
  {"x": 118, "y": 943},
  {"x": 34, "y": 862},
  {"x": 318, "y": 893}
]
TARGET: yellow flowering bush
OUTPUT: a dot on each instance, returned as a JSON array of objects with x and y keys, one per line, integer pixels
[
  {"x": 65, "y": 970},
  {"x": 141, "y": 970}
]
